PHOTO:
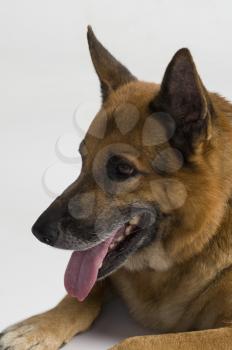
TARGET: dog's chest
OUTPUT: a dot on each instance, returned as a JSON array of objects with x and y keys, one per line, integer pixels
[{"x": 150, "y": 301}]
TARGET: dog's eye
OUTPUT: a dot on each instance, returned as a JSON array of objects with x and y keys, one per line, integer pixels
[{"x": 119, "y": 169}]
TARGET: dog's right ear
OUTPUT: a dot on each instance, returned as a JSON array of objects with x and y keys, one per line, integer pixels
[
  {"x": 112, "y": 73},
  {"x": 183, "y": 96}
]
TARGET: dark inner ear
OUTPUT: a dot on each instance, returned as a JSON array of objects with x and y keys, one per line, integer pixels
[
  {"x": 183, "y": 96},
  {"x": 112, "y": 74}
]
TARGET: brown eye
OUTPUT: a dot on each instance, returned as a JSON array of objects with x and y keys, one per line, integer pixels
[
  {"x": 119, "y": 169},
  {"x": 125, "y": 169}
]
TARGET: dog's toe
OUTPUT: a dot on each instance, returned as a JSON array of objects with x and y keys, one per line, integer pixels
[{"x": 24, "y": 337}]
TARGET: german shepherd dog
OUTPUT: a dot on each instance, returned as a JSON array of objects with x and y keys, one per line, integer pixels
[{"x": 150, "y": 215}]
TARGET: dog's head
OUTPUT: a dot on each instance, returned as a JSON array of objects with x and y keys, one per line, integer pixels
[{"x": 149, "y": 179}]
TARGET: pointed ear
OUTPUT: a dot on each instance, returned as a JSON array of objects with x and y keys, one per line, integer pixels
[
  {"x": 111, "y": 73},
  {"x": 184, "y": 97}
]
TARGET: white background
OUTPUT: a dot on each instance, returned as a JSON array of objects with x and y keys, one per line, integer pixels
[{"x": 45, "y": 73}]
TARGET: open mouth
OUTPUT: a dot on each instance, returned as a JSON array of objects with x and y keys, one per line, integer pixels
[{"x": 86, "y": 267}]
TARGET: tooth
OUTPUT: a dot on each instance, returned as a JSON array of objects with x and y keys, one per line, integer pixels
[
  {"x": 134, "y": 220},
  {"x": 119, "y": 239},
  {"x": 128, "y": 230}
]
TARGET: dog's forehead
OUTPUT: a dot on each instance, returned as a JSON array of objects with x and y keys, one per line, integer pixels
[
  {"x": 137, "y": 93},
  {"x": 125, "y": 124},
  {"x": 123, "y": 111}
]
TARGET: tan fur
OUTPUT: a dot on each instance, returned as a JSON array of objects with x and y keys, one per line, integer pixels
[
  {"x": 181, "y": 284},
  {"x": 52, "y": 329}
]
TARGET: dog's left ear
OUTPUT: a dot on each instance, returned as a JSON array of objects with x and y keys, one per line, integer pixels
[
  {"x": 183, "y": 96},
  {"x": 112, "y": 73}
]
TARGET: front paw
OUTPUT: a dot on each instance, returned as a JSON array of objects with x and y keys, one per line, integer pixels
[{"x": 33, "y": 334}]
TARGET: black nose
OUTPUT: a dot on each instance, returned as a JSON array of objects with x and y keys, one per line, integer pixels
[
  {"x": 45, "y": 228},
  {"x": 46, "y": 233}
]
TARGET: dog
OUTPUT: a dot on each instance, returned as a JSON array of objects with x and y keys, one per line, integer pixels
[{"x": 149, "y": 217}]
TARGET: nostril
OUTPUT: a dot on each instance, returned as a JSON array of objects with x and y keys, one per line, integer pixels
[{"x": 47, "y": 240}]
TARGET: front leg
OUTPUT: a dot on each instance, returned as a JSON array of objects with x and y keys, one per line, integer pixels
[
  {"x": 214, "y": 339},
  {"x": 54, "y": 328}
]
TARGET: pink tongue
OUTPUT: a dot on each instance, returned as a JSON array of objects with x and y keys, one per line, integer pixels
[{"x": 82, "y": 270}]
